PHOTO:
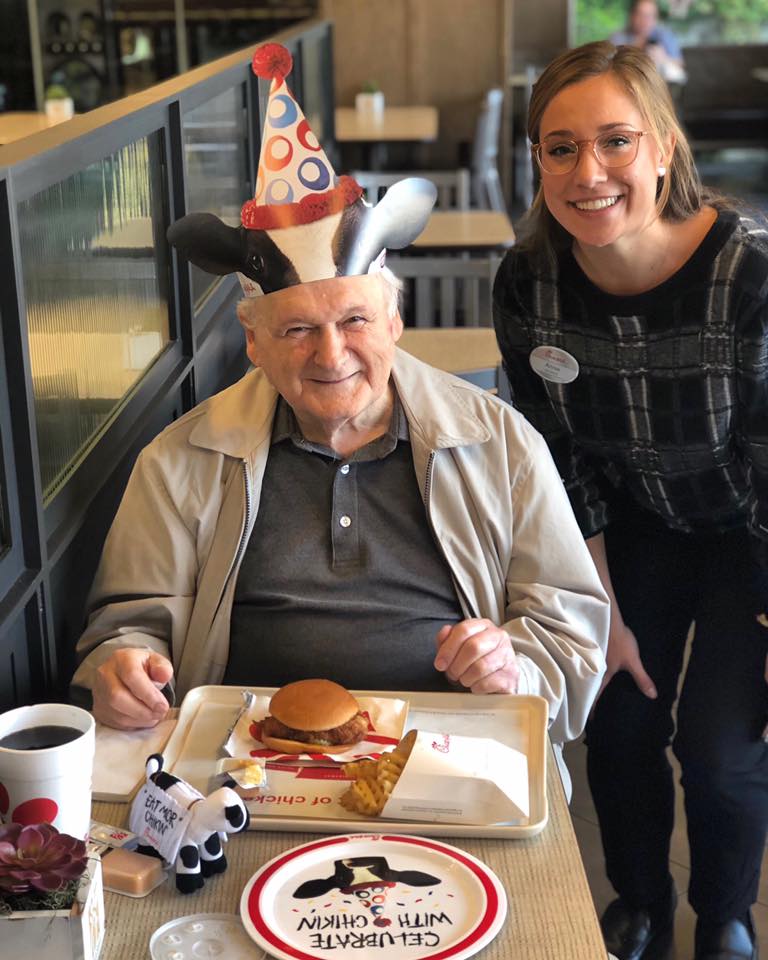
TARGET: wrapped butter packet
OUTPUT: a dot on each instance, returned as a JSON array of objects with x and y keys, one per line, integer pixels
[
  {"x": 247, "y": 773},
  {"x": 107, "y": 835}
]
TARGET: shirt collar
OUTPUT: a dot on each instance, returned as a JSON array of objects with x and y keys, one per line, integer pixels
[{"x": 286, "y": 427}]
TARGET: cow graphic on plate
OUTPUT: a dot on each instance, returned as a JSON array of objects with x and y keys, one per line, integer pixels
[
  {"x": 368, "y": 895},
  {"x": 369, "y": 880}
]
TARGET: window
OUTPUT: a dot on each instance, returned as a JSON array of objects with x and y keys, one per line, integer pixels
[
  {"x": 694, "y": 22},
  {"x": 215, "y": 142},
  {"x": 95, "y": 279}
]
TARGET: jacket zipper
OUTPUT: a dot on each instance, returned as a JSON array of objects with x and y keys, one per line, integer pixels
[
  {"x": 247, "y": 523},
  {"x": 463, "y": 600},
  {"x": 242, "y": 543}
]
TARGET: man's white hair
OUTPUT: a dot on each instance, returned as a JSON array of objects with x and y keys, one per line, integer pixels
[{"x": 251, "y": 309}]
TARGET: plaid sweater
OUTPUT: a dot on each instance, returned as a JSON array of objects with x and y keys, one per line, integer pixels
[{"x": 671, "y": 399}]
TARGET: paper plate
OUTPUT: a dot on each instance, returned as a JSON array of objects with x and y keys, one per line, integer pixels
[{"x": 373, "y": 895}]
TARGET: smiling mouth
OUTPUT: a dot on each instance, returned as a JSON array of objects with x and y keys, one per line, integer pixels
[
  {"x": 600, "y": 204},
  {"x": 331, "y": 383}
]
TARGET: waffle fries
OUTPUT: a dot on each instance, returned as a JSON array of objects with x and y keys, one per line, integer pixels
[{"x": 375, "y": 779}]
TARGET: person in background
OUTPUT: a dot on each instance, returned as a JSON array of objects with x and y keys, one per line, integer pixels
[
  {"x": 344, "y": 510},
  {"x": 644, "y": 31},
  {"x": 632, "y": 319}
]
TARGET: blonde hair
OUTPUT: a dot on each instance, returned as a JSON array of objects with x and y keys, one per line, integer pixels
[
  {"x": 251, "y": 309},
  {"x": 679, "y": 194}
]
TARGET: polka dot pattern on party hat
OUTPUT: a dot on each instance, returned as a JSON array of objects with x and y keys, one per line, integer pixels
[{"x": 294, "y": 171}]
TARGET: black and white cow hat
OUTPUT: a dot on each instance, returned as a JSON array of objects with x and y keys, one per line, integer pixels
[{"x": 304, "y": 222}]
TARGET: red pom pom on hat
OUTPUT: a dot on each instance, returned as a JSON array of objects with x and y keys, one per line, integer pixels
[{"x": 272, "y": 61}]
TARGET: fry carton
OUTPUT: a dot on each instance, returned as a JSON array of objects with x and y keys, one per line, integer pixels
[{"x": 453, "y": 779}]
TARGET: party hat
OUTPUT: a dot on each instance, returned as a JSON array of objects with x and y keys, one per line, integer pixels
[{"x": 304, "y": 222}]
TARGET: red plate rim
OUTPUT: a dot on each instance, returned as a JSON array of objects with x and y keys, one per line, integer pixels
[{"x": 482, "y": 873}]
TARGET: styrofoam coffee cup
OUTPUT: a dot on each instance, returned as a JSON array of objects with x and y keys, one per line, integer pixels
[{"x": 50, "y": 784}]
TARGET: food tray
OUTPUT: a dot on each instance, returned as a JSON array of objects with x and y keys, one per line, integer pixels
[{"x": 208, "y": 712}]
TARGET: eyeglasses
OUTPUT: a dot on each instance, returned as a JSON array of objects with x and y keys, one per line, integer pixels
[{"x": 615, "y": 149}]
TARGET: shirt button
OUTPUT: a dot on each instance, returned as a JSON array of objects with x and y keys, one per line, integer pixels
[
  {"x": 345, "y": 521},
  {"x": 344, "y": 469}
]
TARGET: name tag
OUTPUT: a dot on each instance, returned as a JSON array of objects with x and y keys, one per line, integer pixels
[{"x": 554, "y": 364}]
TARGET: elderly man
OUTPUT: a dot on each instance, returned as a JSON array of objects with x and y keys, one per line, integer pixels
[{"x": 344, "y": 510}]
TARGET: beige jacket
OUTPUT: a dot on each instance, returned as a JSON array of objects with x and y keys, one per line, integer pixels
[{"x": 494, "y": 499}]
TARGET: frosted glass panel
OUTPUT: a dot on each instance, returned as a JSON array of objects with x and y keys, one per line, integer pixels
[
  {"x": 95, "y": 279},
  {"x": 215, "y": 141},
  {"x": 5, "y": 540}
]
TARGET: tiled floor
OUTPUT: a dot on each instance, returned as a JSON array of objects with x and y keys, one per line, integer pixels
[{"x": 587, "y": 832}]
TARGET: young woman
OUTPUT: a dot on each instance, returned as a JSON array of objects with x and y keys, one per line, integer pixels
[{"x": 633, "y": 322}]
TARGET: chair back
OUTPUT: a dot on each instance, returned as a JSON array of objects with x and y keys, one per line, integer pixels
[
  {"x": 453, "y": 186},
  {"x": 446, "y": 291},
  {"x": 486, "y": 184}
]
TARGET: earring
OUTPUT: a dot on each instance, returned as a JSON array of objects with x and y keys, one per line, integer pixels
[{"x": 661, "y": 170}]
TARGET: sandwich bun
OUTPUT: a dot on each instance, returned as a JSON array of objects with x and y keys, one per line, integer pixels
[{"x": 313, "y": 716}]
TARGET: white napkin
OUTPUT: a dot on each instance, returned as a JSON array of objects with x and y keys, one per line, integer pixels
[{"x": 118, "y": 765}]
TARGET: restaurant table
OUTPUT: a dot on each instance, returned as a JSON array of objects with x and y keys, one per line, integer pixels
[
  {"x": 475, "y": 230},
  {"x": 395, "y": 125},
  {"x": 471, "y": 353},
  {"x": 550, "y": 911},
  {"x": 17, "y": 124}
]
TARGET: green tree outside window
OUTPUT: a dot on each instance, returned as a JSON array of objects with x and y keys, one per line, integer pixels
[{"x": 694, "y": 21}]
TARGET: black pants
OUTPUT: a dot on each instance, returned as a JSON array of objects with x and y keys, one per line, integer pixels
[{"x": 663, "y": 581}]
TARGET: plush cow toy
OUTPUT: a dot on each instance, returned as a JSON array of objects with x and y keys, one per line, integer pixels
[{"x": 207, "y": 822}]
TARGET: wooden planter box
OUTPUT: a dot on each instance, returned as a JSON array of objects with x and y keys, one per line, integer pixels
[{"x": 74, "y": 934}]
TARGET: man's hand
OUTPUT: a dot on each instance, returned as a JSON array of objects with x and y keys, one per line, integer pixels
[
  {"x": 623, "y": 654},
  {"x": 478, "y": 655},
  {"x": 126, "y": 692}
]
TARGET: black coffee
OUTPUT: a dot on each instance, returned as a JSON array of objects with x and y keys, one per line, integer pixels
[{"x": 40, "y": 738}]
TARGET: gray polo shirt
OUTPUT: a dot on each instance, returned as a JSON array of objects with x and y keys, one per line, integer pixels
[{"x": 342, "y": 577}]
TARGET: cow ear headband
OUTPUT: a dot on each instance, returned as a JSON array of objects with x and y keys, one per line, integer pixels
[{"x": 304, "y": 223}]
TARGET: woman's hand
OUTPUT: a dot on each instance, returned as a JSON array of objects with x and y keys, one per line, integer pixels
[{"x": 623, "y": 654}]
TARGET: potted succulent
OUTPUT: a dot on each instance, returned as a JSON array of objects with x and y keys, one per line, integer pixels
[
  {"x": 369, "y": 103},
  {"x": 51, "y": 900},
  {"x": 58, "y": 103}
]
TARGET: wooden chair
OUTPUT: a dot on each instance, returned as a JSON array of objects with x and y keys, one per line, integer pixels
[
  {"x": 453, "y": 186},
  {"x": 446, "y": 291}
]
